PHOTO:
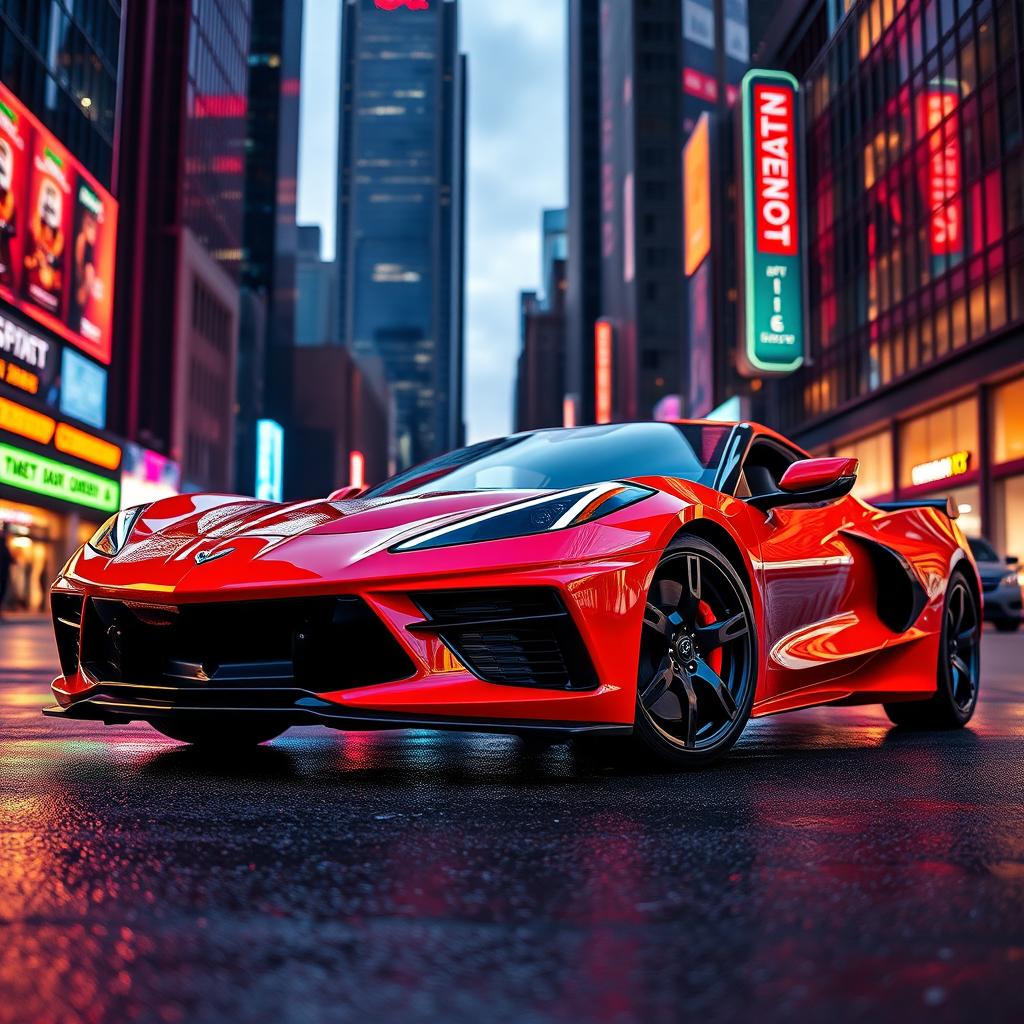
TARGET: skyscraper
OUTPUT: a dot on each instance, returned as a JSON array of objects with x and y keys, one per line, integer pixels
[
  {"x": 400, "y": 203},
  {"x": 583, "y": 295},
  {"x": 625, "y": 171},
  {"x": 181, "y": 177},
  {"x": 267, "y": 264}
]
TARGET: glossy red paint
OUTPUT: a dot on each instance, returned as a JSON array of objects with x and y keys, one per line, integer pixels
[
  {"x": 813, "y": 473},
  {"x": 810, "y": 574}
]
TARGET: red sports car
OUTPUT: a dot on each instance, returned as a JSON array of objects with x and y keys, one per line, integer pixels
[{"x": 663, "y": 581}]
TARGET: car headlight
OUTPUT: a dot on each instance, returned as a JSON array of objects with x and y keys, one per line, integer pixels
[
  {"x": 1011, "y": 579},
  {"x": 538, "y": 515},
  {"x": 114, "y": 533}
]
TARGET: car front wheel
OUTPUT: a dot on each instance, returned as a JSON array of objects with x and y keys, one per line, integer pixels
[{"x": 698, "y": 657}]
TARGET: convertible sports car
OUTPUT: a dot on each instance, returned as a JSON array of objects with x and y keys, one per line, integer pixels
[{"x": 662, "y": 581}]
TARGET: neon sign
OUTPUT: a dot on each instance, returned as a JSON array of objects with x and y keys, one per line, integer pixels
[
  {"x": 940, "y": 469},
  {"x": 49, "y": 478},
  {"x": 603, "y": 336},
  {"x": 773, "y": 334}
]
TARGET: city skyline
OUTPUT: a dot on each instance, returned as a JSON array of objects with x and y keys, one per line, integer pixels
[{"x": 525, "y": 44}]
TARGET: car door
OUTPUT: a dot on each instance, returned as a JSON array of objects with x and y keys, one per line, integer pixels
[{"x": 817, "y": 623}]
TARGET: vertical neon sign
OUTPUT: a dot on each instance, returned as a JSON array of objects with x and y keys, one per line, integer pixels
[
  {"x": 603, "y": 339},
  {"x": 772, "y": 315}
]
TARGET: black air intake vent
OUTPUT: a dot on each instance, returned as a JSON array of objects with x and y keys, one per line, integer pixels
[
  {"x": 316, "y": 644},
  {"x": 518, "y": 636},
  {"x": 66, "y": 610}
]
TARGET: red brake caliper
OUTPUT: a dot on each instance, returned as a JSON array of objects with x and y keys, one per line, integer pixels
[{"x": 706, "y": 617}]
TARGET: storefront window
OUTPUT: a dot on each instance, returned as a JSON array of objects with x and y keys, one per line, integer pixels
[
  {"x": 1008, "y": 422},
  {"x": 968, "y": 502},
  {"x": 1009, "y": 516},
  {"x": 874, "y": 479},
  {"x": 939, "y": 445},
  {"x": 35, "y": 539}
]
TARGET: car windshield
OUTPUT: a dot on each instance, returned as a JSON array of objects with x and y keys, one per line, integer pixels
[
  {"x": 982, "y": 550},
  {"x": 557, "y": 459}
]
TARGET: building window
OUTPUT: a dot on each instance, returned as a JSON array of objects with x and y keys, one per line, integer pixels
[{"x": 939, "y": 446}]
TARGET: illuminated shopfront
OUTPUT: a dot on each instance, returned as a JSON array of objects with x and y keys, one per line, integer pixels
[
  {"x": 1008, "y": 469},
  {"x": 57, "y": 483},
  {"x": 915, "y": 235}
]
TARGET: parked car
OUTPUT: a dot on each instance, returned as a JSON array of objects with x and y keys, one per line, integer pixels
[
  {"x": 662, "y": 581},
  {"x": 1001, "y": 580}
]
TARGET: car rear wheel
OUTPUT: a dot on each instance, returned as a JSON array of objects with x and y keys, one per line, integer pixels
[
  {"x": 698, "y": 657},
  {"x": 959, "y": 669},
  {"x": 213, "y": 735}
]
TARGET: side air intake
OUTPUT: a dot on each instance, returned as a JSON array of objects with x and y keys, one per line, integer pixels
[{"x": 515, "y": 636}]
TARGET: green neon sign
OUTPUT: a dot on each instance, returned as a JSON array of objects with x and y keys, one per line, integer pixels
[
  {"x": 773, "y": 312},
  {"x": 30, "y": 472}
]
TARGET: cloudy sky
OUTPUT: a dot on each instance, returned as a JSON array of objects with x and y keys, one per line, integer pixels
[{"x": 517, "y": 167}]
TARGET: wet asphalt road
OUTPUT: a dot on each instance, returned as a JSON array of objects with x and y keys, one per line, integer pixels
[{"x": 831, "y": 869}]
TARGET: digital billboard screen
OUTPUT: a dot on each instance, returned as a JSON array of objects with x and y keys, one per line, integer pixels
[{"x": 58, "y": 231}]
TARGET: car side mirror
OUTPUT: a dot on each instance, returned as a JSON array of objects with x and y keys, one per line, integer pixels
[
  {"x": 811, "y": 482},
  {"x": 345, "y": 493}
]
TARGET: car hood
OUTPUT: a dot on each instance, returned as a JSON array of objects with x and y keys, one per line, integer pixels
[{"x": 177, "y": 536}]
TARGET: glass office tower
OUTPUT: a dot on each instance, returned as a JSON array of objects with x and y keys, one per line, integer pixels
[{"x": 399, "y": 239}]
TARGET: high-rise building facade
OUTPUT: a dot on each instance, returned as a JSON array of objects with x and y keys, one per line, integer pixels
[
  {"x": 915, "y": 251},
  {"x": 181, "y": 178},
  {"x": 400, "y": 212},
  {"x": 316, "y": 282},
  {"x": 270, "y": 232},
  {"x": 541, "y": 394},
  {"x": 60, "y": 468}
]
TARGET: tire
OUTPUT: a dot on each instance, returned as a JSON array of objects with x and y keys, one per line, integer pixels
[
  {"x": 219, "y": 735},
  {"x": 1007, "y": 625},
  {"x": 697, "y": 669},
  {"x": 958, "y": 670}
]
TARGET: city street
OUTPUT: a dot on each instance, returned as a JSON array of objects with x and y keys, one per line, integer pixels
[{"x": 832, "y": 869}]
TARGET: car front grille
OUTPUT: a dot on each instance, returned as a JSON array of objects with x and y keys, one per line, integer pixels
[
  {"x": 313, "y": 644},
  {"x": 521, "y": 636}
]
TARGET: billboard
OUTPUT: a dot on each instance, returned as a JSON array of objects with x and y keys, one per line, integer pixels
[
  {"x": 269, "y": 460},
  {"x": 697, "y": 195},
  {"x": 58, "y": 230},
  {"x": 772, "y": 329},
  {"x": 604, "y": 336}
]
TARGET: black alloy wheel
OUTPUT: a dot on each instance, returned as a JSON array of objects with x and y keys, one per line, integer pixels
[
  {"x": 959, "y": 668},
  {"x": 698, "y": 657}
]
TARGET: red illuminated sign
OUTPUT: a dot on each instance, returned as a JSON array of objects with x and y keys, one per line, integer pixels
[
  {"x": 393, "y": 5},
  {"x": 603, "y": 336},
  {"x": 703, "y": 87},
  {"x": 943, "y": 173},
  {"x": 58, "y": 229},
  {"x": 356, "y": 469},
  {"x": 775, "y": 171}
]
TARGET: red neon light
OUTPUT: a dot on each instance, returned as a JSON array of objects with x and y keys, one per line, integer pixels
[
  {"x": 393, "y": 5},
  {"x": 944, "y": 170},
  {"x": 568, "y": 411},
  {"x": 774, "y": 130},
  {"x": 696, "y": 83},
  {"x": 356, "y": 469},
  {"x": 603, "y": 371}
]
